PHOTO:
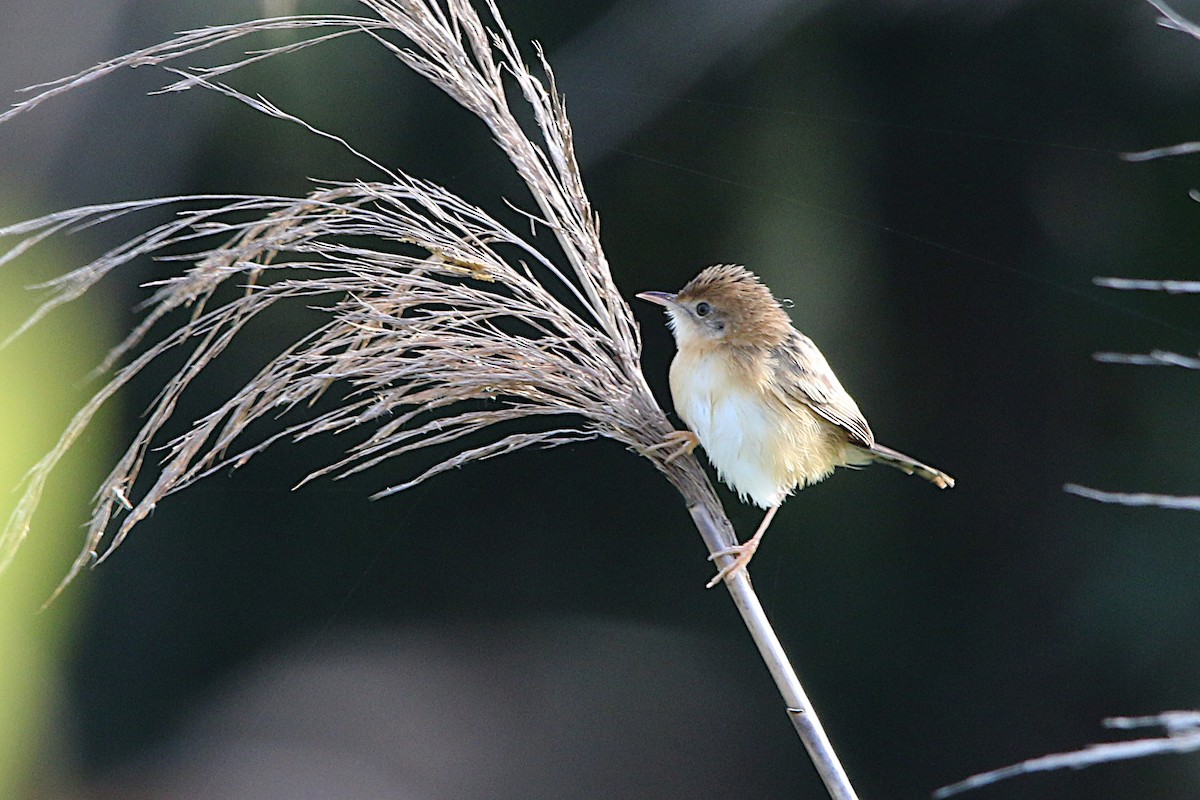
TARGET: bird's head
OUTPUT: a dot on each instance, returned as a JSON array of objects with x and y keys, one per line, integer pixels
[{"x": 725, "y": 304}]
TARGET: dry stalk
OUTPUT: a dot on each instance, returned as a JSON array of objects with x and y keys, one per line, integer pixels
[
  {"x": 441, "y": 323},
  {"x": 1182, "y": 728},
  {"x": 1182, "y": 735}
]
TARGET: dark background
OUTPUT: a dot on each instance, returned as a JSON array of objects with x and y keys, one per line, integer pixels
[{"x": 933, "y": 185}]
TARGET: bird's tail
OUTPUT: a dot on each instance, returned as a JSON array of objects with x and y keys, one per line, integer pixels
[{"x": 886, "y": 455}]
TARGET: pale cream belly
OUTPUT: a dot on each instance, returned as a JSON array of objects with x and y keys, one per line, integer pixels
[{"x": 762, "y": 453}]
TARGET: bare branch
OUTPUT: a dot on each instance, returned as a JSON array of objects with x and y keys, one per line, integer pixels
[
  {"x": 1170, "y": 287},
  {"x": 1183, "y": 736},
  {"x": 1174, "y": 723},
  {"x": 1187, "y": 148},
  {"x": 1173, "y": 20},
  {"x": 1155, "y": 358},
  {"x": 1135, "y": 499}
]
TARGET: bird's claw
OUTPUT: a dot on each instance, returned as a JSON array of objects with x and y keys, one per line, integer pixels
[
  {"x": 744, "y": 553},
  {"x": 683, "y": 442}
]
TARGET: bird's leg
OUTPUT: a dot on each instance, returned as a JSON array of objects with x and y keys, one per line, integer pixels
[
  {"x": 684, "y": 443},
  {"x": 744, "y": 552}
]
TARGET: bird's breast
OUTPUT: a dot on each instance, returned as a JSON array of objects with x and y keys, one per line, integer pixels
[{"x": 763, "y": 449}]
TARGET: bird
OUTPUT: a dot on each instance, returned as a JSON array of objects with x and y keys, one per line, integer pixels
[{"x": 761, "y": 400}]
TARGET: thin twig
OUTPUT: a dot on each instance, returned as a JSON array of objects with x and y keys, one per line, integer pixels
[
  {"x": 1173, "y": 20},
  {"x": 1183, "y": 737},
  {"x": 1155, "y": 358},
  {"x": 1134, "y": 284},
  {"x": 1185, "y": 502},
  {"x": 1187, "y": 148}
]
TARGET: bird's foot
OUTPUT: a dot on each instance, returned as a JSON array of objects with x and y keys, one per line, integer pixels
[
  {"x": 683, "y": 442},
  {"x": 744, "y": 553}
]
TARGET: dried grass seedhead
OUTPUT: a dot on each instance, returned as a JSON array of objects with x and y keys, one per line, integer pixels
[{"x": 440, "y": 322}]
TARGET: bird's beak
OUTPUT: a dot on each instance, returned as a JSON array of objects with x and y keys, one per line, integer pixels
[{"x": 662, "y": 298}]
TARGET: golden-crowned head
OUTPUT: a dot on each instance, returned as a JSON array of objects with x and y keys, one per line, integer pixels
[{"x": 726, "y": 304}]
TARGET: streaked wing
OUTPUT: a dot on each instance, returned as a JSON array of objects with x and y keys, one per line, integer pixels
[{"x": 802, "y": 374}]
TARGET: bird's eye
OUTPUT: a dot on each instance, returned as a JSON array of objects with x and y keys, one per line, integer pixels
[{"x": 702, "y": 309}]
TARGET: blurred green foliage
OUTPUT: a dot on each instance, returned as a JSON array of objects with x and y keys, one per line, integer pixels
[{"x": 39, "y": 393}]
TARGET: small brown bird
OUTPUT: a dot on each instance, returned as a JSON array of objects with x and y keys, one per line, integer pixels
[{"x": 760, "y": 398}]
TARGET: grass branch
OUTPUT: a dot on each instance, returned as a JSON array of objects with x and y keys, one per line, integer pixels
[
  {"x": 1135, "y": 498},
  {"x": 1183, "y": 736},
  {"x": 439, "y": 326}
]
